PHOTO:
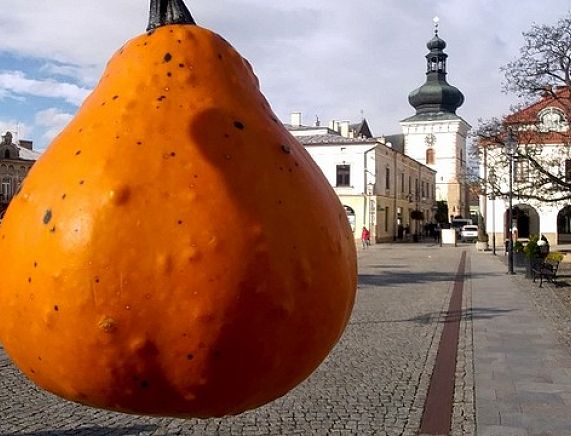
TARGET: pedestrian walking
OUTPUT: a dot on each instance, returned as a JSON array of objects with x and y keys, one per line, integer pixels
[{"x": 366, "y": 237}]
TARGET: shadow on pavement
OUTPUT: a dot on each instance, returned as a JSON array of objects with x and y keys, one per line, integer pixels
[
  {"x": 387, "y": 279},
  {"x": 91, "y": 431},
  {"x": 428, "y": 318}
]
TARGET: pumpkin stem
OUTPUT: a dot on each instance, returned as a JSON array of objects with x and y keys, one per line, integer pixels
[{"x": 165, "y": 12}]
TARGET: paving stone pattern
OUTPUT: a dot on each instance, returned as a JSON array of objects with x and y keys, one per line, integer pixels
[{"x": 374, "y": 382}]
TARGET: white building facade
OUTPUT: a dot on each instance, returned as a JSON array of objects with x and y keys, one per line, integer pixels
[
  {"x": 379, "y": 187},
  {"x": 543, "y": 127}
]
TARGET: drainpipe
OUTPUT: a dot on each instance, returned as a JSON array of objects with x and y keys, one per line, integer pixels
[{"x": 365, "y": 194}]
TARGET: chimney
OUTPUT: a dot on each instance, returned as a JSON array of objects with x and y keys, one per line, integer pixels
[{"x": 295, "y": 119}]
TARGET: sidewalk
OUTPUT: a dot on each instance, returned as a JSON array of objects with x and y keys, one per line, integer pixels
[{"x": 522, "y": 372}]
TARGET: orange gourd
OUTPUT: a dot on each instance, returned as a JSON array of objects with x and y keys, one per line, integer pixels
[{"x": 175, "y": 251}]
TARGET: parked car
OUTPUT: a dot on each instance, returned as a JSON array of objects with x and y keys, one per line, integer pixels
[{"x": 469, "y": 233}]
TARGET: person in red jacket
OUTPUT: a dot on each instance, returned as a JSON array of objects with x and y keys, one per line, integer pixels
[{"x": 365, "y": 237}]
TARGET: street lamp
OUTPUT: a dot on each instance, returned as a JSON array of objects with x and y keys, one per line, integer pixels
[{"x": 510, "y": 150}]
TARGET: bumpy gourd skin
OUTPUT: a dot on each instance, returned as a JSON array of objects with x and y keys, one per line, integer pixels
[{"x": 175, "y": 251}]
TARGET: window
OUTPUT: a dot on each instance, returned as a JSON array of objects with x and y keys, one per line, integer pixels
[
  {"x": 6, "y": 189},
  {"x": 416, "y": 190},
  {"x": 522, "y": 170},
  {"x": 409, "y": 185},
  {"x": 422, "y": 190},
  {"x": 429, "y": 156},
  {"x": 387, "y": 178},
  {"x": 343, "y": 175},
  {"x": 402, "y": 182}
]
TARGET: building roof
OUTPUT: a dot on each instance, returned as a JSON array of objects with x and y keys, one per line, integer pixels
[
  {"x": 333, "y": 138},
  {"x": 26, "y": 154}
]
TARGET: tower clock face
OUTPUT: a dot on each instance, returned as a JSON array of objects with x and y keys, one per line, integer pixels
[{"x": 430, "y": 140}]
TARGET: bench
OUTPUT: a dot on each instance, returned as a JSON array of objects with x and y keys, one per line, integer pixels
[{"x": 546, "y": 270}]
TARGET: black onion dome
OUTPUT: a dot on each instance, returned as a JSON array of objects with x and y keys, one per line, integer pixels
[
  {"x": 436, "y": 43},
  {"x": 436, "y": 95}
]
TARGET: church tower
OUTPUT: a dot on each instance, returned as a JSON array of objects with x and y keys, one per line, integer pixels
[{"x": 435, "y": 135}]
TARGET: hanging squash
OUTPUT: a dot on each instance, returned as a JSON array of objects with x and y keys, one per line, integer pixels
[{"x": 175, "y": 251}]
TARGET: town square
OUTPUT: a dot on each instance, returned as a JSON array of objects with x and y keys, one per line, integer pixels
[{"x": 331, "y": 221}]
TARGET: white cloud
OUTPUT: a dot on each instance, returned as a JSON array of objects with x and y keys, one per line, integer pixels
[
  {"x": 328, "y": 57},
  {"x": 15, "y": 83},
  {"x": 51, "y": 122}
]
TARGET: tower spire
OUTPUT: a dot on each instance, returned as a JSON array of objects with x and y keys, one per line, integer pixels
[{"x": 436, "y": 95}]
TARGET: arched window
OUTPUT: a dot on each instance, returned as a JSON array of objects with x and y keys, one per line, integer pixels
[
  {"x": 430, "y": 156},
  {"x": 552, "y": 119}
]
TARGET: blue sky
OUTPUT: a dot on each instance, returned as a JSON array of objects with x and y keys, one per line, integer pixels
[{"x": 328, "y": 58}]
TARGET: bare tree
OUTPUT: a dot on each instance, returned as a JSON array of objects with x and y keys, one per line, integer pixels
[{"x": 541, "y": 78}]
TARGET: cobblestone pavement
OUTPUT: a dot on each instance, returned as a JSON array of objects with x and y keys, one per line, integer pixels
[{"x": 374, "y": 382}]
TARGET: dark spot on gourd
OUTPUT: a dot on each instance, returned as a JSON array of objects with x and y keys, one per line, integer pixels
[
  {"x": 29, "y": 280},
  {"x": 53, "y": 229},
  {"x": 35, "y": 264},
  {"x": 32, "y": 371},
  {"x": 274, "y": 119},
  {"x": 139, "y": 143},
  {"x": 190, "y": 356},
  {"x": 81, "y": 182},
  {"x": 144, "y": 384},
  {"x": 167, "y": 57},
  {"x": 115, "y": 97},
  {"x": 96, "y": 279},
  {"x": 286, "y": 149},
  {"x": 216, "y": 354},
  {"x": 78, "y": 152},
  {"x": 169, "y": 74},
  {"x": 103, "y": 104},
  {"x": 39, "y": 358},
  {"x": 181, "y": 65},
  {"x": 162, "y": 97},
  {"x": 239, "y": 125},
  {"x": 226, "y": 135},
  {"x": 179, "y": 41},
  {"x": 56, "y": 308},
  {"x": 149, "y": 33},
  {"x": 219, "y": 56},
  {"x": 47, "y": 216},
  {"x": 173, "y": 154},
  {"x": 179, "y": 221}
]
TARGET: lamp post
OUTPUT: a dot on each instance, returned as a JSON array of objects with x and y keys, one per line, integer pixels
[{"x": 510, "y": 150}]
